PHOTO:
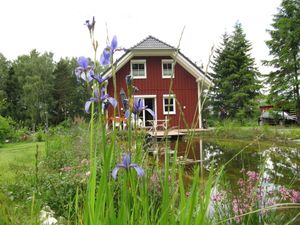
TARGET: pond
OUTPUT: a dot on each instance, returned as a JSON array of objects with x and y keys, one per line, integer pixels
[{"x": 279, "y": 162}]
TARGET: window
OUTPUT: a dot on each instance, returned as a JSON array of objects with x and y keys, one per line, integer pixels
[
  {"x": 167, "y": 68},
  {"x": 138, "y": 69},
  {"x": 169, "y": 104}
]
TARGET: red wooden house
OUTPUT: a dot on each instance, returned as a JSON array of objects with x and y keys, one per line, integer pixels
[{"x": 154, "y": 65}]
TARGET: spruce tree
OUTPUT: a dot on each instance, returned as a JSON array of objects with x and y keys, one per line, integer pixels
[
  {"x": 13, "y": 91},
  {"x": 284, "y": 47},
  {"x": 235, "y": 76},
  {"x": 220, "y": 71}
]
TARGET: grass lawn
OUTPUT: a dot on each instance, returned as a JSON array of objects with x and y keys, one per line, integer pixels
[{"x": 14, "y": 157}]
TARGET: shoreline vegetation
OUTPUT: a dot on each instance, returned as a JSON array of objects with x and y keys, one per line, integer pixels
[
  {"x": 54, "y": 176},
  {"x": 278, "y": 134}
]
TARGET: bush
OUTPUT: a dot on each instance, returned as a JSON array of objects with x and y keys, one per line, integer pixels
[
  {"x": 22, "y": 134},
  {"x": 39, "y": 136},
  {"x": 6, "y": 131}
]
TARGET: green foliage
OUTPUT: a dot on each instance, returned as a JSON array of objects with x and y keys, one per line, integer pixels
[
  {"x": 233, "y": 129},
  {"x": 167, "y": 194},
  {"x": 6, "y": 130},
  {"x": 235, "y": 77},
  {"x": 69, "y": 93},
  {"x": 39, "y": 136},
  {"x": 22, "y": 134},
  {"x": 17, "y": 183},
  {"x": 35, "y": 73},
  {"x": 294, "y": 134},
  {"x": 37, "y": 92},
  {"x": 284, "y": 47},
  {"x": 12, "y": 89},
  {"x": 18, "y": 214},
  {"x": 34, "y": 91},
  {"x": 64, "y": 169},
  {"x": 4, "y": 67}
]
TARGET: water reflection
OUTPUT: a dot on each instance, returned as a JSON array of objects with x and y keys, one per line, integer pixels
[{"x": 279, "y": 162}]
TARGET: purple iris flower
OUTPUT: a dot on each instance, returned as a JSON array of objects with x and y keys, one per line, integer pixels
[
  {"x": 99, "y": 78},
  {"x": 138, "y": 107},
  {"x": 91, "y": 26},
  {"x": 129, "y": 82},
  {"x": 109, "y": 51},
  {"x": 105, "y": 57},
  {"x": 124, "y": 99},
  {"x": 128, "y": 79},
  {"x": 114, "y": 44},
  {"x": 83, "y": 70},
  {"x": 127, "y": 165},
  {"x": 102, "y": 98}
]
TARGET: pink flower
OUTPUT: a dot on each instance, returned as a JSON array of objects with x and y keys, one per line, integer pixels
[
  {"x": 237, "y": 219},
  {"x": 295, "y": 196},
  {"x": 270, "y": 202},
  {"x": 267, "y": 179},
  {"x": 235, "y": 206},
  {"x": 253, "y": 176},
  {"x": 217, "y": 197},
  {"x": 284, "y": 193},
  {"x": 241, "y": 182}
]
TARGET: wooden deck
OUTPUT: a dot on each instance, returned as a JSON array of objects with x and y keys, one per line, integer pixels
[
  {"x": 160, "y": 129},
  {"x": 165, "y": 133},
  {"x": 174, "y": 132}
]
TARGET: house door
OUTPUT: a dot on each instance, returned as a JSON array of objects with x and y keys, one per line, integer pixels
[{"x": 145, "y": 116}]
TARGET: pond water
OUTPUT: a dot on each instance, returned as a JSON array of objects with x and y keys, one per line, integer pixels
[{"x": 279, "y": 162}]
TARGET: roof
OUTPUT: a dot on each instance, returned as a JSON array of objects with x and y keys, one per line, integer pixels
[{"x": 152, "y": 43}]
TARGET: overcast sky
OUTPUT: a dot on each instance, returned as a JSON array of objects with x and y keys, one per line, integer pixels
[{"x": 57, "y": 25}]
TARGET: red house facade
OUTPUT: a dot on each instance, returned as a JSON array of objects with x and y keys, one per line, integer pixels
[{"x": 157, "y": 68}]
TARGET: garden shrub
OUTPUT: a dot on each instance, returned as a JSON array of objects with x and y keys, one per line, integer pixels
[
  {"x": 39, "y": 136},
  {"x": 64, "y": 169},
  {"x": 6, "y": 131}
]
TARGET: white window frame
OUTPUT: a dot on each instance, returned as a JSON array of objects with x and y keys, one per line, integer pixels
[
  {"x": 164, "y": 105},
  {"x": 139, "y": 61},
  {"x": 167, "y": 61}
]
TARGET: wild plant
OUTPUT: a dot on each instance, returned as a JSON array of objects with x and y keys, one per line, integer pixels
[{"x": 256, "y": 200}]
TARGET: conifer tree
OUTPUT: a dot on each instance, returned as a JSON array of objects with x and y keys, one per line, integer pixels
[
  {"x": 235, "y": 76},
  {"x": 69, "y": 93},
  {"x": 3, "y": 77},
  {"x": 284, "y": 47}
]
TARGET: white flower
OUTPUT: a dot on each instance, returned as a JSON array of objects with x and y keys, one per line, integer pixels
[
  {"x": 47, "y": 216},
  {"x": 50, "y": 221}
]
